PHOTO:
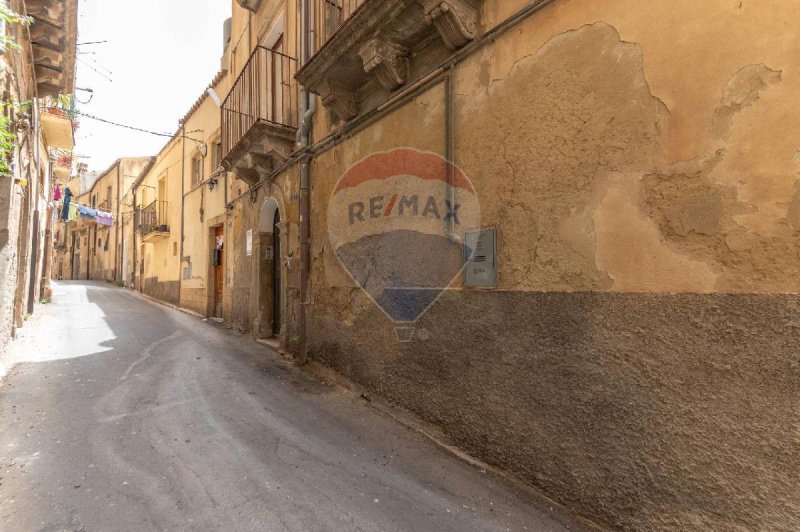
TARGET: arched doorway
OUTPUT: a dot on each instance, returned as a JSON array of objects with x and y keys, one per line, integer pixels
[{"x": 270, "y": 277}]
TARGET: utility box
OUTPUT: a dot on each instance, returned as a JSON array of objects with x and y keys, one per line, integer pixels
[{"x": 480, "y": 255}]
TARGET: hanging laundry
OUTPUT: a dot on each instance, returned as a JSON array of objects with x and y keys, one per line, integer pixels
[
  {"x": 105, "y": 218},
  {"x": 87, "y": 212},
  {"x": 57, "y": 193},
  {"x": 73, "y": 213},
  {"x": 65, "y": 208},
  {"x": 218, "y": 247}
]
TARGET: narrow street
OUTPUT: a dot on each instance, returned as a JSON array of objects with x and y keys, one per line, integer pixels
[{"x": 123, "y": 414}]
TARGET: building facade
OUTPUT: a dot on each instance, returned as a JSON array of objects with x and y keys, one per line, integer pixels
[
  {"x": 100, "y": 252},
  {"x": 37, "y": 63},
  {"x": 563, "y": 231}
]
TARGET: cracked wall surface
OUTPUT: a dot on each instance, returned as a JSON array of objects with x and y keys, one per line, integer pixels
[{"x": 638, "y": 360}]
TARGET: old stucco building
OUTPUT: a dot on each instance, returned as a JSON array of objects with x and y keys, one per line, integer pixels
[
  {"x": 628, "y": 343},
  {"x": 33, "y": 74},
  {"x": 107, "y": 249}
]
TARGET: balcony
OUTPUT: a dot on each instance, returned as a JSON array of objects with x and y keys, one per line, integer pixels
[
  {"x": 54, "y": 35},
  {"x": 154, "y": 221},
  {"x": 62, "y": 164},
  {"x": 59, "y": 128},
  {"x": 260, "y": 115},
  {"x": 329, "y": 15},
  {"x": 104, "y": 206},
  {"x": 369, "y": 48}
]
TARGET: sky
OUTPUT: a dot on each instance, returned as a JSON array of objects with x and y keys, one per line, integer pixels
[{"x": 159, "y": 58}]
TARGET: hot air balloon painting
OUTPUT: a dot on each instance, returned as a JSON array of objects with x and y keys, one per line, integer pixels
[{"x": 397, "y": 222}]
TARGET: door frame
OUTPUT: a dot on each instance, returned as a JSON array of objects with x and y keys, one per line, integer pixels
[{"x": 212, "y": 295}]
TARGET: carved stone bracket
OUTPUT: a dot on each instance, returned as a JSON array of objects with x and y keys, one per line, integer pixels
[
  {"x": 343, "y": 102},
  {"x": 250, "y": 5},
  {"x": 388, "y": 60},
  {"x": 456, "y": 20}
]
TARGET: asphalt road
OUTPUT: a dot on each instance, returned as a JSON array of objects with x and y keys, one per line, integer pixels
[{"x": 122, "y": 414}]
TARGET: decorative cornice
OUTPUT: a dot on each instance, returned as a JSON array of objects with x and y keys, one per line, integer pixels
[
  {"x": 456, "y": 20},
  {"x": 388, "y": 60},
  {"x": 378, "y": 40}
]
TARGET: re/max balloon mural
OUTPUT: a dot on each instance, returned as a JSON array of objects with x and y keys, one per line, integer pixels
[{"x": 397, "y": 221}]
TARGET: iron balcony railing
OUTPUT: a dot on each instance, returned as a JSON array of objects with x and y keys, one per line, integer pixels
[
  {"x": 105, "y": 206},
  {"x": 154, "y": 218},
  {"x": 330, "y": 15},
  {"x": 265, "y": 92}
]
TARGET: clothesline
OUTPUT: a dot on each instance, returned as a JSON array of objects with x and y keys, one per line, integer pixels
[
  {"x": 73, "y": 202},
  {"x": 75, "y": 209}
]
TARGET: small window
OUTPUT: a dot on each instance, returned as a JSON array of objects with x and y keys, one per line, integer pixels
[
  {"x": 216, "y": 155},
  {"x": 174, "y": 249},
  {"x": 197, "y": 169}
]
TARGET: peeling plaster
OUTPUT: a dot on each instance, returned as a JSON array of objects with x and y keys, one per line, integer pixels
[{"x": 741, "y": 92}]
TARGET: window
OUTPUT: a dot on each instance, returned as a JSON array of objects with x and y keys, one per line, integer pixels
[
  {"x": 197, "y": 169},
  {"x": 216, "y": 155},
  {"x": 108, "y": 198},
  {"x": 162, "y": 188},
  {"x": 174, "y": 249}
]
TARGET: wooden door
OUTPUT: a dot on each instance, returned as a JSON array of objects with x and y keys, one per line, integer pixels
[{"x": 219, "y": 269}]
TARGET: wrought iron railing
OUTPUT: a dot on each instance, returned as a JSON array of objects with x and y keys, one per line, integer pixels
[
  {"x": 154, "y": 218},
  {"x": 329, "y": 15},
  {"x": 104, "y": 205},
  {"x": 265, "y": 92}
]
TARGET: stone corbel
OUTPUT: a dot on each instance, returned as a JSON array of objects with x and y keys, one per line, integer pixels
[
  {"x": 456, "y": 20},
  {"x": 343, "y": 101},
  {"x": 250, "y": 5},
  {"x": 388, "y": 60}
]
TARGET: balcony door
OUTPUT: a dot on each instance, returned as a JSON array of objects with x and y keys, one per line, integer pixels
[{"x": 276, "y": 72}]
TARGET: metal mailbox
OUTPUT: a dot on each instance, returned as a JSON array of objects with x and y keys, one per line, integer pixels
[{"x": 480, "y": 257}]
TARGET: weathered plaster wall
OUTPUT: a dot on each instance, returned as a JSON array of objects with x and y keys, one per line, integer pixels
[
  {"x": 203, "y": 208},
  {"x": 637, "y": 360},
  {"x": 247, "y": 279},
  {"x": 161, "y": 257}
]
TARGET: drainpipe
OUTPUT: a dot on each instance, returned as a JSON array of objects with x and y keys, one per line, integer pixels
[
  {"x": 135, "y": 272},
  {"x": 309, "y": 109},
  {"x": 183, "y": 204},
  {"x": 47, "y": 266},
  {"x": 450, "y": 143},
  {"x": 33, "y": 137},
  {"x": 117, "y": 247}
]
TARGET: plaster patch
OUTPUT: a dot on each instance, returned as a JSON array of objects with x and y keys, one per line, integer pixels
[
  {"x": 630, "y": 250},
  {"x": 742, "y": 91}
]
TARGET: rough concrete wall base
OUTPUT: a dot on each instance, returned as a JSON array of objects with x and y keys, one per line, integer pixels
[
  {"x": 168, "y": 291},
  {"x": 638, "y": 410}
]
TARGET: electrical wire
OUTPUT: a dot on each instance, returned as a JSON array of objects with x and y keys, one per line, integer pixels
[
  {"x": 134, "y": 128},
  {"x": 90, "y": 67}
]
